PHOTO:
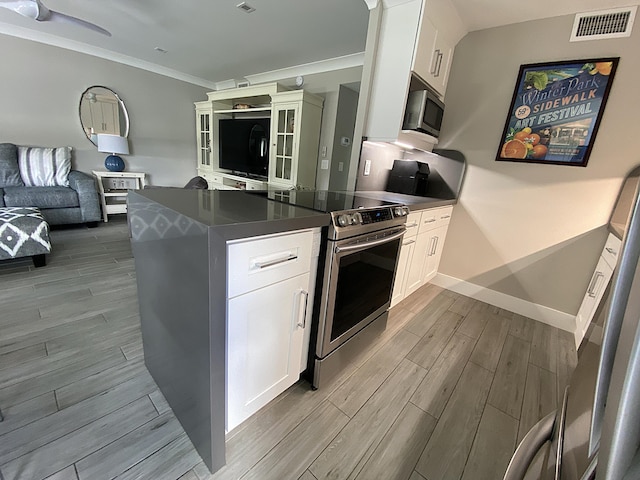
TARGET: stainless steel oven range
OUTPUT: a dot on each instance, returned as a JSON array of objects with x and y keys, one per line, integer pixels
[{"x": 363, "y": 245}]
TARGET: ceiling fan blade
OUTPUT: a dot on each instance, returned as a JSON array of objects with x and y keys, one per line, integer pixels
[
  {"x": 62, "y": 18},
  {"x": 26, "y": 8}
]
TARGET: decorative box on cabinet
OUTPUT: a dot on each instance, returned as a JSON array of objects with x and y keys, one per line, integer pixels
[
  {"x": 271, "y": 282},
  {"x": 597, "y": 285}
]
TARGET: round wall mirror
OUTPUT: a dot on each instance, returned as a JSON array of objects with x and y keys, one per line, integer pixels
[{"x": 102, "y": 111}]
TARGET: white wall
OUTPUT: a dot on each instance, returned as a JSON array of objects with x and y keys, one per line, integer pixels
[
  {"x": 40, "y": 90},
  {"x": 533, "y": 231}
]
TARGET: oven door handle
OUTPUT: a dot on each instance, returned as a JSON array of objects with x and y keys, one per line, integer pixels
[{"x": 373, "y": 243}]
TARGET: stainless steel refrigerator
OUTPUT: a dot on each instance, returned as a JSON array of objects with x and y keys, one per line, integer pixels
[{"x": 595, "y": 434}]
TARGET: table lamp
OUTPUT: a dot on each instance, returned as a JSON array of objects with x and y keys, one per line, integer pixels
[{"x": 115, "y": 145}]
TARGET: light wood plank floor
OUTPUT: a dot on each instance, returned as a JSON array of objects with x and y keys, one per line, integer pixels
[{"x": 445, "y": 393}]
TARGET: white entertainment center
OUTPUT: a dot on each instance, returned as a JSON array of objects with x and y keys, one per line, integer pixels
[{"x": 295, "y": 120}]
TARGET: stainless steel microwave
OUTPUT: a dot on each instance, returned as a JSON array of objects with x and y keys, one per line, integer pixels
[{"x": 423, "y": 113}]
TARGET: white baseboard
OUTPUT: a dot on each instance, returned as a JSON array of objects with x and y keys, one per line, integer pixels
[{"x": 555, "y": 318}]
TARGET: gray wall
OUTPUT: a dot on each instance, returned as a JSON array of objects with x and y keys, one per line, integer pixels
[
  {"x": 41, "y": 88},
  {"x": 528, "y": 230},
  {"x": 40, "y": 93},
  {"x": 345, "y": 123},
  {"x": 327, "y": 85}
]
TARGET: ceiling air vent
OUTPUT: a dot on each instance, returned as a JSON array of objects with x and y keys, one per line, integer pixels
[
  {"x": 245, "y": 7},
  {"x": 612, "y": 23}
]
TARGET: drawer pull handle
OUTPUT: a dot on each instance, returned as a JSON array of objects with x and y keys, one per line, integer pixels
[
  {"x": 411, "y": 225},
  {"x": 408, "y": 242},
  {"x": 277, "y": 261},
  {"x": 445, "y": 216},
  {"x": 431, "y": 220},
  {"x": 611, "y": 251},
  {"x": 594, "y": 283}
]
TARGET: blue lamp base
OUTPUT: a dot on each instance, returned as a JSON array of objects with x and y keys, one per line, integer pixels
[{"x": 114, "y": 163}]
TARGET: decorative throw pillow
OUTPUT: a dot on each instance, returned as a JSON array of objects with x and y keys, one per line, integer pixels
[
  {"x": 44, "y": 167},
  {"x": 9, "y": 170}
]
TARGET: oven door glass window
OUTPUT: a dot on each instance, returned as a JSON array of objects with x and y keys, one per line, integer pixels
[{"x": 364, "y": 285}]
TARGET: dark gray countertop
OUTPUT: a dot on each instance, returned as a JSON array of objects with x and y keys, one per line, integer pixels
[{"x": 233, "y": 214}]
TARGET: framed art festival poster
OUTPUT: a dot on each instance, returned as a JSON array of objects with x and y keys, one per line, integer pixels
[{"x": 556, "y": 111}]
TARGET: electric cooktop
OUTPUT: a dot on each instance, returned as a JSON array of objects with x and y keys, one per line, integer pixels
[{"x": 326, "y": 201}]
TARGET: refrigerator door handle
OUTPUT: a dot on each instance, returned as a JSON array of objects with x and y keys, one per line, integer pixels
[{"x": 529, "y": 446}]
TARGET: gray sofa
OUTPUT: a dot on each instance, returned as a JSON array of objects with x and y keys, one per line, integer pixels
[{"x": 77, "y": 203}]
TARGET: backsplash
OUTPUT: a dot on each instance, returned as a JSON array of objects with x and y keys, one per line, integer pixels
[{"x": 445, "y": 179}]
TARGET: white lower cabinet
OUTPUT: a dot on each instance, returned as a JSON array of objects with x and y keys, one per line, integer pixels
[
  {"x": 265, "y": 341},
  {"x": 270, "y": 283},
  {"x": 597, "y": 286},
  {"x": 421, "y": 250},
  {"x": 434, "y": 252}
]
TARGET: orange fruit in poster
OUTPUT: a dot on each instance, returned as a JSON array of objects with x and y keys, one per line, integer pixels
[
  {"x": 514, "y": 149},
  {"x": 539, "y": 151},
  {"x": 604, "y": 67},
  {"x": 521, "y": 135}
]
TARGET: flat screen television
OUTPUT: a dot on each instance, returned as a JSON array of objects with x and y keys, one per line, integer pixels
[{"x": 244, "y": 145}]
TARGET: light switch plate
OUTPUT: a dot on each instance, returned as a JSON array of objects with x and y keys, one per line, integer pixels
[
  {"x": 367, "y": 167},
  {"x": 324, "y": 165}
]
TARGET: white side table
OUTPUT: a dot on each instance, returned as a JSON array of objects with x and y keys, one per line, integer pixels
[{"x": 114, "y": 187}]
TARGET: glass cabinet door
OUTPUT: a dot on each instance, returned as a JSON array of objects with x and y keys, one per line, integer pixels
[
  {"x": 203, "y": 119},
  {"x": 285, "y": 130}
]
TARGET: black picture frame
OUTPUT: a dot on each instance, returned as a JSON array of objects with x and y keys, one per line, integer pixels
[{"x": 556, "y": 111}]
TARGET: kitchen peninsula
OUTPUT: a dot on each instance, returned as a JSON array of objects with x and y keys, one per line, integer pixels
[{"x": 183, "y": 243}]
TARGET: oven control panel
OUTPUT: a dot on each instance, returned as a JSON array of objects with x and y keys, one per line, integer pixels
[{"x": 369, "y": 216}]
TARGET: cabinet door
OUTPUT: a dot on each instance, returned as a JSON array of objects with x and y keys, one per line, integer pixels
[
  {"x": 284, "y": 133},
  {"x": 265, "y": 333},
  {"x": 440, "y": 65},
  {"x": 404, "y": 260},
  {"x": 595, "y": 291},
  {"x": 424, "y": 56},
  {"x": 203, "y": 129},
  {"x": 416, "y": 263},
  {"x": 434, "y": 252}
]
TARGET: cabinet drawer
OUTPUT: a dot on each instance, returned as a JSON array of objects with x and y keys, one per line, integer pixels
[
  {"x": 434, "y": 218},
  {"x": 611, "y": 250},
  {"x": 214, "y": 178},
  {"x": 253, "y": 264},
  {"x": 413, "y": 223}
]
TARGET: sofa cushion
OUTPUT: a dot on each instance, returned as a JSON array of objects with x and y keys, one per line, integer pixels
[
  {"x": 9, "y": 170},
  {"x": 41, "y": 197},
  {"x": 44, "y": 167}
]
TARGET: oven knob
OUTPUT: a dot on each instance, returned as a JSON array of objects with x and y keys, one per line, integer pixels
[
  {"x": 343, "y": 220},
  {"x": 400, "y": 212},
  {"x": 356, "y": 218}
]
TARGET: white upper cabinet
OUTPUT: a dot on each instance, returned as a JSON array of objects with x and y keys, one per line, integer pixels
[
  {"x": 433, "y": 55},
  {"x": 415, "y": 36}
]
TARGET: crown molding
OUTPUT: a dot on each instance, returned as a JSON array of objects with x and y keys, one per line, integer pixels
[{"x": 322, "y": 66}]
